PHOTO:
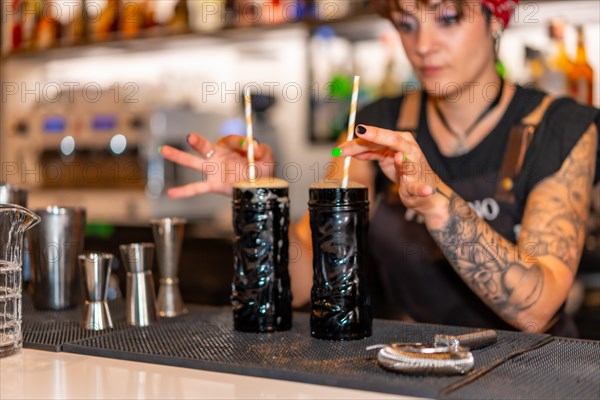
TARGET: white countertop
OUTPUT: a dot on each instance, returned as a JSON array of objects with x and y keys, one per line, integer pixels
[{"x": 34, "y": 374}]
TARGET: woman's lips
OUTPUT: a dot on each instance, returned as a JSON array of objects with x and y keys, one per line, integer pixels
[{"x": 430, "y": 71}]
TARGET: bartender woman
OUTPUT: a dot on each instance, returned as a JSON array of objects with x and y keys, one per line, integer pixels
[{"x": 483, "y": 187}]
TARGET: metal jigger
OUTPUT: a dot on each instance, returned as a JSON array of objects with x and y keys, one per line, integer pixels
[
  {"x": 140, "y": 298},
  {"x": 95, "y": 271},
  {"x": 168, "y": 238}
]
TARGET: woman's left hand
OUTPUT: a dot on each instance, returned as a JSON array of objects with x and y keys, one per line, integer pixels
[{"x": 402, "y": 161}]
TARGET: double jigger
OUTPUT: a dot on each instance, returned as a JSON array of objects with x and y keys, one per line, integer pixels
[
  {"x": 95, "y": 272},
  {"x": 140, "y": 301},
  {"x": 168, "y": 238}
]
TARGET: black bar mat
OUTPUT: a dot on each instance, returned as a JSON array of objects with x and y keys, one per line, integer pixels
[
  {"x": 204, "y": 339},
  {"x": 50, "y": 330},
  {"x": 563, "y": 369}
]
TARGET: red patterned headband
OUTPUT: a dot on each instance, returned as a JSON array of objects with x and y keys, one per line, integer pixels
[{"x": 502, "y": 9}]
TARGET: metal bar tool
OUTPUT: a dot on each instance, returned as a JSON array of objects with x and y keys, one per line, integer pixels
[
  {"x": 448, "y": 355},
  {"x": 140, "y": 299},
  {"x": 168, "y": 239},
  {"x": 95, "y": 271}
]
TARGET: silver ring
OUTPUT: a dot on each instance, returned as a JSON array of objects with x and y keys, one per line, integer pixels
[{"x": 210, "y": 154}]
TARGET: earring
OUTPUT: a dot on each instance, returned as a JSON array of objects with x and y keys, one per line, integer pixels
[{"x": 497, "y": 35}]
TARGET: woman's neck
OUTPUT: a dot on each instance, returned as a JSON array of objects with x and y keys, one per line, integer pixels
[
  {"x": 462, "y": 120},
  {"x": 461, "y": 109}
]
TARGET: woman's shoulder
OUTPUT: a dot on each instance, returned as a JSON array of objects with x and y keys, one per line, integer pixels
[{"x": 561, "y": 127}]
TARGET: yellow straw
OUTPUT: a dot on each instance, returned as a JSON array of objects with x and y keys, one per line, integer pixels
[
  {"x": 249, "y": 135},
  {"x": 351, "y": 123}
]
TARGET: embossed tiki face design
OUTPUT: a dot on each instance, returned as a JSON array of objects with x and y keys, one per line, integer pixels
[
  {"x": 256, "y": 239},
  {"x": 337, "y": 239}
]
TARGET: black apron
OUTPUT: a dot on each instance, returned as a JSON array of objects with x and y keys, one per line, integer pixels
[{"x": 413, "y": 273}]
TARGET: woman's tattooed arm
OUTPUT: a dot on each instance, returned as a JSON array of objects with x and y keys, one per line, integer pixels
[{"x": 525, "y": 284}]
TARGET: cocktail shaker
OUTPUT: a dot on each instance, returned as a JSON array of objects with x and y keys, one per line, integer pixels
[{"x": 55, "y": 245}]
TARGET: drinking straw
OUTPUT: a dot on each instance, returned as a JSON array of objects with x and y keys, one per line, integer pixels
[
  {"x": 249, "y": 135},
  {"x": 351, "y": 123}
]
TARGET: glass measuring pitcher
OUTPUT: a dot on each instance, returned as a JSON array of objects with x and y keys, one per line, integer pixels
[{"x": 14, "y": 221}]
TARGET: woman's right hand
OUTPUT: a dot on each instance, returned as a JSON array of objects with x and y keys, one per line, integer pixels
[{"x": 222, "y": 164}]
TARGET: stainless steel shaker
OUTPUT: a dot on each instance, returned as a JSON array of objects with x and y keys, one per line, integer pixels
[
  {"x": 140, "y": 300},
  {"x": 55, "y": 244},
  {"x": 95, "y": 273},
  {"x": 168, "y": 239}
]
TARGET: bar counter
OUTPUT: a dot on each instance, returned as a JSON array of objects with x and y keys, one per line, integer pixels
[
  {"x": 35, "y": 374},
  {"x": 199, "y": 355}
]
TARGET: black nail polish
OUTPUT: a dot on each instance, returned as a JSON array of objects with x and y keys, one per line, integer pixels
[{"x": 361, "y": 130}]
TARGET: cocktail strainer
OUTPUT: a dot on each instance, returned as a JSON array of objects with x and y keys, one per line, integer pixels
[{"x": 449, "y": 355}]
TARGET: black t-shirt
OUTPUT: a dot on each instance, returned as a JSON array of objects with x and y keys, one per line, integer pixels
[{"x": 412, "y": 274}]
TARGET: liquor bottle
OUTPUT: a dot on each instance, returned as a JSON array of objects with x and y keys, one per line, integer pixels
[
  {"x": 47, "y": 31},
  {"x": 581, "y": 76},
  {"x": 181, "y": 18},
  {"x": 132, "y": 18},
  {"x": 17, "y": 26},
  {"x": 108, "y": 22},
  {"x": 558, "y": 64},
  {"x": 207, "y": 15},
  {"x": 535, "y": 67}
]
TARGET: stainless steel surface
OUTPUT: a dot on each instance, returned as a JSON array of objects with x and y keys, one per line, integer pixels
[
  {"x": 95, "y": 272},
  {"x": 168, "y": 239},
  {"x": 55, "y": 244},
  {"x": 10, "y": 194},
  {"x": 14, "y": 221},
  {"x": 140, "y": 299}
]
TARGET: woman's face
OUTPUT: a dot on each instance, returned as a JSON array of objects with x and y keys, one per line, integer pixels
[{"x": 447, "y": 53}]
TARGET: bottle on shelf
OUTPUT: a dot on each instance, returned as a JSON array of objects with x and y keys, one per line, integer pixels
[
  {"x": 132, "y": 18},
  {"x": 535, "y": 67},
  {"x": 107, "y": 24},
  {"x": 206, "y": 15},
  {"x": 16, "y": 29},
  {"x": 48, "y": 29},
  {"x": 180, "y": 22},
  {"x": 581, "y": 75},
  {"x": 558, "y": 64}
]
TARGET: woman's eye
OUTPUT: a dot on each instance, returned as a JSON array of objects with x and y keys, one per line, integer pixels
[
  {"x": 448, "y": 20},
  {"x": 405, "y": 25}
]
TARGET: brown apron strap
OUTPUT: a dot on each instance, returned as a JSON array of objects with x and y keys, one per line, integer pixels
[
  {"x": 408, "y": 118},
  {"x": 519, "y": 139}
]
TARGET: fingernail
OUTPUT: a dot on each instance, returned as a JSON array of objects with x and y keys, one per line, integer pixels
[
  {"x": 187, "y": 138},
  {"x": 361, "y": 130},
  {"x": 242, "y": 142},
  {"x": 404, "y": 158},
  {"x": 160, "y": 149},
  {"x": 336, "y": 152}
]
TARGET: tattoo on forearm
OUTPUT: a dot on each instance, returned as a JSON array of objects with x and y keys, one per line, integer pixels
[
  {"x": 485, "y": 264},
  {"x": 553, "y": 226},
  {"x": 560, "y": 219}
]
